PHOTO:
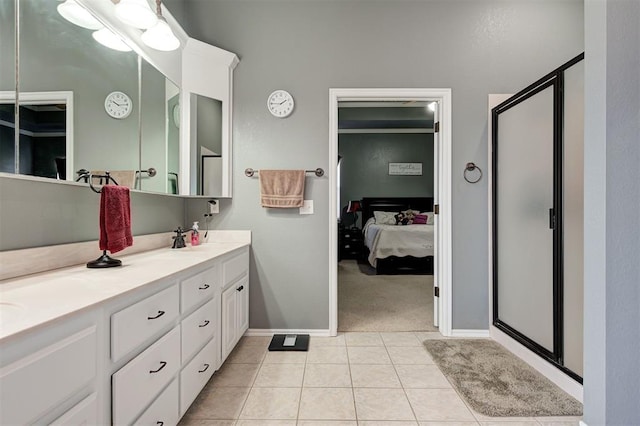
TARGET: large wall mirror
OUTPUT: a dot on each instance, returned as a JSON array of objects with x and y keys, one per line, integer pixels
[{"x": 63, "y": 82}]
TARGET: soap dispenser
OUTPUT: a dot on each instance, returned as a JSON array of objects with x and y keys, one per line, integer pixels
[{"x": 195, "y": 235}]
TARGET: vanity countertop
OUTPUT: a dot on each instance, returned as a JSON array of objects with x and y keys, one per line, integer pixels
[{"x": 32, "y": 301}]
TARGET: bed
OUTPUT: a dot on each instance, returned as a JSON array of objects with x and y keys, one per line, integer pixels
[{"x": 394, "y": 249}]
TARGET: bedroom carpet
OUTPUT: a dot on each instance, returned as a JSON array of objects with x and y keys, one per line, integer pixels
[
  {"x": 383, "y": 302},
  {"x": 497, "y": 383}
]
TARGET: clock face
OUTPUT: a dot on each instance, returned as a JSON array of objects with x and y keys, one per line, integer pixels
[
  {"x": 118, "y": 105},
  {"x": 280, "y": 103}
]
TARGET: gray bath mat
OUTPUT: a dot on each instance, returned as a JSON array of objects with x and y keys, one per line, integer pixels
[{"x": 497, "y": 383}]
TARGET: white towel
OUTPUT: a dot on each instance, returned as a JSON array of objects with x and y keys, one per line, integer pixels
[{"x": 282, "y": 188}]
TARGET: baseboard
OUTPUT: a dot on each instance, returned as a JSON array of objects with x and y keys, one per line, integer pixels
[
  {"x": 563, "y": 381},
  {"x": 470, "y": 333},
  {"x": 272, "y": 331}
]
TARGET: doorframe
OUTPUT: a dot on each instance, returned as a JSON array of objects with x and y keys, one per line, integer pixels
[
  {"x": 43, "y": 98},
  {"x": 443, "y": 260}
]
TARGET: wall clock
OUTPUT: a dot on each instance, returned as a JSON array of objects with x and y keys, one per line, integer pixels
[
  {"x": 280, "y": 103},
  {"x": 118, "y": 105}
]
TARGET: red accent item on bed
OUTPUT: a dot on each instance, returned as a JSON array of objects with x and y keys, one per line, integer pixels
[{"x": 420, "y": 219}]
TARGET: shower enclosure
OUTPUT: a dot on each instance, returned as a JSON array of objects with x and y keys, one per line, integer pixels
[{"x": 537, "y": 156}]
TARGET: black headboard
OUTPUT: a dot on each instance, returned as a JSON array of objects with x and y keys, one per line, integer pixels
[{"x": 394, "y": 204}]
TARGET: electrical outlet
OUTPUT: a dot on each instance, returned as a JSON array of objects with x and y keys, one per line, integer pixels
[
  {"x": 307, "y": 207},
  {"x": 214, "y": 206}
]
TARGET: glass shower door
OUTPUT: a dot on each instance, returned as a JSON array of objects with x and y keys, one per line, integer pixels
[{"x": 523, "y": 215}]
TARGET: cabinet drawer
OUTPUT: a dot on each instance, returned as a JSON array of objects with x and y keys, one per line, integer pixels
[
  {"x": 133, "y": 325},
  {"x": 136, "y": 384},
  {"x": 198, "y": 288},
  {"x": 32, "y": 386},
  {"x": 164, "y": 411},
  {"x": 199, "y": 327},
  {"x": 234, "y": 268},
  {"x": 83, "y": 413},
  {"x": 197, "y": 373}
]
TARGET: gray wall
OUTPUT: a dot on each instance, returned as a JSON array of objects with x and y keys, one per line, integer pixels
[
  {"x": 364, "y": 169},
  {"x": 42, "y": 213},
  {"x": 612, "y": 235},
  {"x": 473, "y": 47}
]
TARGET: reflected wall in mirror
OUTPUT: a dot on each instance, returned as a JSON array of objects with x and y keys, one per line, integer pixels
[
  {"x": 159, "y": 133},
  {"x": 206, "y": 131},
  {"x": 56, "y": 56}
]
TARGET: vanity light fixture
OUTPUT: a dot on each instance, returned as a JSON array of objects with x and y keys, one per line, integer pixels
[
  {"x": 78, "y": 15},
  {"x": 108, "y": 38},
  {"x": 160, "y": 36},
  {"x": 136, "y": 13}
]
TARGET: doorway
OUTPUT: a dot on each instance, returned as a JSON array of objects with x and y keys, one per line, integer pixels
[{"x": 442, "y": 192}]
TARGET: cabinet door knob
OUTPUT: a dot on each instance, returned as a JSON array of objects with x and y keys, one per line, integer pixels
[
  {"x": 160, "y": 313},
  {"x": 162, "y": 365},
  {"x": 240, "y": 288},
  {"x": 206, "y": 367},
  {"x": 206, "y": 323},
  {"x": 160, "y": 423},
  {"x": 204, "y": 287}
]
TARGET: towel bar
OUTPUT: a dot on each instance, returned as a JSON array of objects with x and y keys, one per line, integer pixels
[{"x": 250, "y": 172}]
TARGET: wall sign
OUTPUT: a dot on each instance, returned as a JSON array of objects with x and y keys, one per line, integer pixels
[{"x": 407, "y": 169}]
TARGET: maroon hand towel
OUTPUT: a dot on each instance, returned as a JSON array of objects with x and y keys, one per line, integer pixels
[{"x": 115, "y": 218}]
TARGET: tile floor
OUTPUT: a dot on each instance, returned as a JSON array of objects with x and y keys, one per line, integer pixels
[{"x": 352, "y": 379}]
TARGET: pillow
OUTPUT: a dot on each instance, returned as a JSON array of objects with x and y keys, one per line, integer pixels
[
  {"x": 385, "y": 218},
  {"x": 411, "y": 212},
  {"x": 430, "y": 217},
  {"x": 420, "y": 219}
]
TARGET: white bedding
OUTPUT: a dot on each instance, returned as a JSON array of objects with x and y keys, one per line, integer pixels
[{"x": 397, "y": 240}]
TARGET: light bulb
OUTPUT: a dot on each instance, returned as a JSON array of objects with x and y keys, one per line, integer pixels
[
  {"x": 160, "y": 36},
  {"x": 108, "y": 38},
  {"x": 78, "y": 15},
  {"x": 136, "y": 13}
]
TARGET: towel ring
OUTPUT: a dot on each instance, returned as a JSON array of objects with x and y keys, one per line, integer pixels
[{"x": 470, "y": 167}]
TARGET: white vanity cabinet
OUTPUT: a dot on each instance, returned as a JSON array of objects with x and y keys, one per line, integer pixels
[
  {"x": 132, "y": 347},
  {"x": 235, "y": 300},
  {"x": 51, "y": 375}
]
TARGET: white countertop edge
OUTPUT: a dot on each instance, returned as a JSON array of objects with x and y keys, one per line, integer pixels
[{"x": 30, "y": 302}]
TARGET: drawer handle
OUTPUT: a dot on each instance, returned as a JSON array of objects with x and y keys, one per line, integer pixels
[
  {"x": 206, "y": 367},
  {"x": 204, "y": 287},
  {"x": 160, "y": 313},
  {"x": 206, "y": 323},
  {"x": 162, "y": 365},
  {"x": 240, "y": 288}
]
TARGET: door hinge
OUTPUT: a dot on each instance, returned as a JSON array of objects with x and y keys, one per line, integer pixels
[
  {"x": 552, "y": 219},
  {"x": 436, "y": 127},
  {"x": 436, "y": 291},
  {"x": 436, "y": 209}
]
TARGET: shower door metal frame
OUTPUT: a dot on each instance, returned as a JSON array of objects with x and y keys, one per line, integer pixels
[{"x": 554, "y": 79}]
